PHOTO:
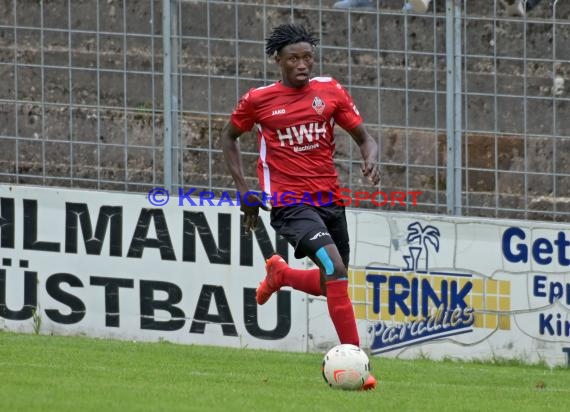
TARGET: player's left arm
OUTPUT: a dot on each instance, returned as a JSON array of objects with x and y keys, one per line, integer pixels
[
  {"x": 369, "y": 152},
  {"x": 347, "y": 116}
]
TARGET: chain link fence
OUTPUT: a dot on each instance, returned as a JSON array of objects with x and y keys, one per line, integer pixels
[{"x": 468, "y": 104}]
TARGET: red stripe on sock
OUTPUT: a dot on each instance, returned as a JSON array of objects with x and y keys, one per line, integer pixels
[{"x": 341, "y": 312}]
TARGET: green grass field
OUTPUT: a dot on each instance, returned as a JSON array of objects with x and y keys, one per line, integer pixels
[{"x": 49, "y": 373}]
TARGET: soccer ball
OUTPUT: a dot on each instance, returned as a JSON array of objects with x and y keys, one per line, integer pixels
[{"x": 346, "y": 367}]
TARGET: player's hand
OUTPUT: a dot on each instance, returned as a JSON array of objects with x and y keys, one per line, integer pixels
[
  {"x": 250, "y": 207},
  {"x": 371, "y": 171}
]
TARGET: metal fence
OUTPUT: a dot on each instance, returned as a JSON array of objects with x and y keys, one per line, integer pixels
[{"x": 469, "y": 105}]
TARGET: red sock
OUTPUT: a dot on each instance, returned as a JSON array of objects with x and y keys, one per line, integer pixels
[
  {"x": 308, "y": 281},
  {"x": 341, "y": 312}
]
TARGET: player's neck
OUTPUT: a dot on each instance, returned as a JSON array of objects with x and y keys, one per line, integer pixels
[{"x": 293, "y": 86}]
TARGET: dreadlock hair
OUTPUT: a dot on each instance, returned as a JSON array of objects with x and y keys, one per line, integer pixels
[{"x": 287, "y": 34}]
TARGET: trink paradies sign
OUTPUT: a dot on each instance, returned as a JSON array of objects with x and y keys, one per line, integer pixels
[
  {"x": 415, "y": 304},
  {"x": 433, "y": 304}
]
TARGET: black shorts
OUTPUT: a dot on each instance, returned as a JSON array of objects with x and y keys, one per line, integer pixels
[{"x": 308, "y": 228}]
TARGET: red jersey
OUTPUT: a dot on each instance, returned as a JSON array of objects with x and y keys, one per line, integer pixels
[{"x": 295, "y": 138}]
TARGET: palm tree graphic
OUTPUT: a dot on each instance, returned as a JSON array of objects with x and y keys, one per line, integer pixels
[{"x": 420, "y": 235}]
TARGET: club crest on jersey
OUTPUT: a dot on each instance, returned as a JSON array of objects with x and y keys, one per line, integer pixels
[{"x": 318, "y": 105}]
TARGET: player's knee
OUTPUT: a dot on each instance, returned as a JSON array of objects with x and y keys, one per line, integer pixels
[{"x": 331, "y": 268}]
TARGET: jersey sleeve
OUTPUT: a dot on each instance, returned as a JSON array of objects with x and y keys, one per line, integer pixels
[
  {"x": 243, "y": 117},
  {"x": 346, "y": 114}
]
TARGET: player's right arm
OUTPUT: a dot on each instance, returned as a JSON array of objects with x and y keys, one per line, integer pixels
[{"x": 232, "y": 155}]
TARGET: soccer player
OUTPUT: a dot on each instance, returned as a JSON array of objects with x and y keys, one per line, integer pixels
[{"x": 295, "y": 119}]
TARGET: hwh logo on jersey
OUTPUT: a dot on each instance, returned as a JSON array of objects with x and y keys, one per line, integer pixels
[{"x": 308, "y": 132}]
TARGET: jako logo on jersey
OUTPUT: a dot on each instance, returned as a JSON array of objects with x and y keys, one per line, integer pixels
[
  {"x": 308, "y": 132},
  {"x": 318, "y": 235},
  {"x": 278, "y": 111},
  {"x": 318, "y": 105}
]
